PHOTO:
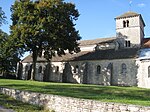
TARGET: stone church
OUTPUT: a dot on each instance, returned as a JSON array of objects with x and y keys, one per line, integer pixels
[{"x": 123, "y": 60}]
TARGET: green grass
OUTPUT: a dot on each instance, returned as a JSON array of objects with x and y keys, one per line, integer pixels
[
  {"x": 126, "y": 95},
  {"x": 18, "y": 106}
]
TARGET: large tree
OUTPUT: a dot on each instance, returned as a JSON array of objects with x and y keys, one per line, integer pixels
[{"x": 45, "y": 25}]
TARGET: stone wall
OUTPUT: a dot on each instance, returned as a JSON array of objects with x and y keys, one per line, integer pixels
[
  {"x": 143, "y": 75},
  {"x": 67, "y": 104},
  {"x": 111, "y": 72}
]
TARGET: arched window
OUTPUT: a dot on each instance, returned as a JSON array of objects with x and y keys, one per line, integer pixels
[
  {"x": 124, "y": 24},
  {"x": 128, "y": 44},
  {"x": 57, "y": 68},
  {"x": 127, "y": 23},
  {"x": 76, "y": 69},
  {"x": 98, "y": 69},
  {"x": 148, "y": 71},
  {"x": 40, "y": 69},
  {"x": 123, "y": 68}
]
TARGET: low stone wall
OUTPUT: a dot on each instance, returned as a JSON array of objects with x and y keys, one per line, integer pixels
[{"x": 68, "y": 104}]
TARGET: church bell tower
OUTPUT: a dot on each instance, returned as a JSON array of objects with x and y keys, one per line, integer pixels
[{"x": 130, "y": 25}]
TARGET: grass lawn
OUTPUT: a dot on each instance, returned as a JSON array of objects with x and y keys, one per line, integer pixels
[{"x": 127, "y": 95}]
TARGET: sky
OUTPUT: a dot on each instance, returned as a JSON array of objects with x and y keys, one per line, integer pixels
[{"x": 96, "y": 18}]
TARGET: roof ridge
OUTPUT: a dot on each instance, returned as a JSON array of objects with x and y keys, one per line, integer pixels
[{"x": 95, "y": 41}]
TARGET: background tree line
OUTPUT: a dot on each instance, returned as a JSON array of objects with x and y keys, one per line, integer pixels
[{"x": 8, "y": 54}]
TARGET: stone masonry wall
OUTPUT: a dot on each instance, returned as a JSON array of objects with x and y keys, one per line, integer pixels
[{"x": 67, "y": 104}]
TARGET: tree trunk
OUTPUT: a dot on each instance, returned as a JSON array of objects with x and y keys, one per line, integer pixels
[
  {"x": 34, "y": 57},
  {"x": 4, "y": 73}
]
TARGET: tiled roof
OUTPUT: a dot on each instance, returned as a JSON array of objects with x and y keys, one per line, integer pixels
[
  {"x": 29, "y": 59},
  {"x": 128, "y": 14},
  {"x": 94, "y": 55},
  {"x": 56, "y": 58},
  {"x": 95, "y": 41},
  {"x": 146, "y": 43}
]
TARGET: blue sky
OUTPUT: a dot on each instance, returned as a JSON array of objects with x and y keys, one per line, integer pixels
[{"x": 97, "y": 16}]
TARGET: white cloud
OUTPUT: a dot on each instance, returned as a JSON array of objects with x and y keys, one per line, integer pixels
[
  {"x": 141, "y": 5},
  {"x": 130, "y": 2}
]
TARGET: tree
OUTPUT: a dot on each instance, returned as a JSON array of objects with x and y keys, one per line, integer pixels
[
  {"x": 45, "y": 26},
  {"x": 8, "y": 55}
]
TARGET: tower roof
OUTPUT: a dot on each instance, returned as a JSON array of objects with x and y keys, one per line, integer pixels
[{"x": 130, "y": 14}]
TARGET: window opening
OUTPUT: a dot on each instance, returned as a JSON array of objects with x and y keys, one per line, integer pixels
[
  {"x": 127, "y": 23},
  {"x": 124, "y": 24},
  {"x": 98, "y": 69},
  {"x": 127, "y": 43},
  {"x": 76, "y": 69},
  {"x": 57, "y": 68},
  {"x": 40, "y": 69},
  {"x": 124, "y": 68}
]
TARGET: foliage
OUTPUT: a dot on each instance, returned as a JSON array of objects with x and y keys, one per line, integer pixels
[
  {"x": 8, "y": 55},
  {"x": 45, "y": 26},
  {"x": 126, "y": 95},
  {"x": 2, "y": 17}
]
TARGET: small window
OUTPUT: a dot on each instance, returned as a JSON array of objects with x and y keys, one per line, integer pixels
[
  {"x": 123, "y": 68},
  {"x": 149, "y": 72},
  {"x": 76, "y": 69},
  {"x": 57, "y": 68},
  {"x": 127, "y": 43},
  {"x": 127, "y": 23},
  {"x": 124, "y": 24},
  {"x": 40, "y": 69},
  {"x": 98, "y": 69}
]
